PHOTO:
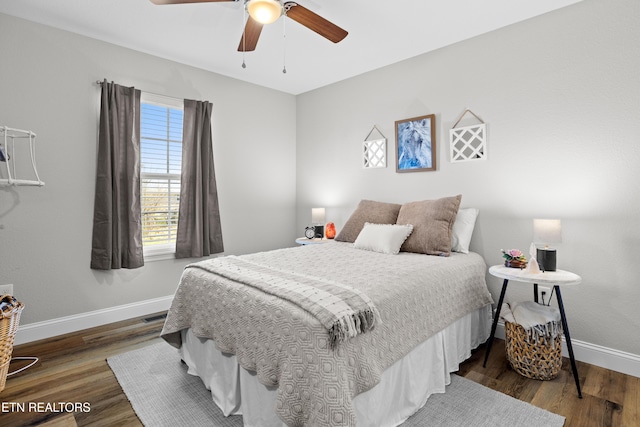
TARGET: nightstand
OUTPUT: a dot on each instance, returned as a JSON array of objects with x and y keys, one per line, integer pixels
[
  {"x": 556, "y": 279},
  {"x": 314, "y": 241}
]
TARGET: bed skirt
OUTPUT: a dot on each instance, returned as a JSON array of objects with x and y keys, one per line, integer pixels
[{"x": 403, "y": 389}]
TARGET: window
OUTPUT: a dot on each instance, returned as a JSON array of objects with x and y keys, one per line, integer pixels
[{"x": 160, "y": 165}]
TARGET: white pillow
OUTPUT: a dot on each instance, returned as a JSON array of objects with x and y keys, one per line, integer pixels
[
  {"x": 384, "y": 238},
  {"x": 463, "y": 229}
]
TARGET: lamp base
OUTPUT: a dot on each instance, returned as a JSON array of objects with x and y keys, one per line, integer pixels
[{"x": 546, "y": 259}]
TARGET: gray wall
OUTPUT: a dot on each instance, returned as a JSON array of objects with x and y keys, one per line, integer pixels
[
  {"x": 561, "y": 96},
  {"x": 47, "y": 85},
  {"x": 559, "y": 93}
]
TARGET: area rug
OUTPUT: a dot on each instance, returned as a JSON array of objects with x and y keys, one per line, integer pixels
[{"x": 163, "y": 394}]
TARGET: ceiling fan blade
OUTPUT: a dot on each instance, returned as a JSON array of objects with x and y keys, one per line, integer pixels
[
  {"x": 250, "y": 37},
  {"x": 186, "y": 1},
  {"x": 314, "y": 22}
]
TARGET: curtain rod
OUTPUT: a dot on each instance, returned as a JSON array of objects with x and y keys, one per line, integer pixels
[{"x": 100, "y": 82}]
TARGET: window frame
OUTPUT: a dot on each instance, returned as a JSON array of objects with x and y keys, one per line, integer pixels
[{"x": 168, "y": 250}]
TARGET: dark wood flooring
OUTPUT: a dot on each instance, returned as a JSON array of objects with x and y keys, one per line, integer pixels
[{"x": 72, "y": 368}]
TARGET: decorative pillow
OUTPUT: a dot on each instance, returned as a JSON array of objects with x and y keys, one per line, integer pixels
[
  {"x": 368, "y": 211},
  {"x": 463, "y": 229},
  {"x": 384, "y": 238},
  {"x": 432, "y": 223}
]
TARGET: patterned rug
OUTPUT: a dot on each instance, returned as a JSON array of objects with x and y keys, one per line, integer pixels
[{"x": 163, "y": 394}]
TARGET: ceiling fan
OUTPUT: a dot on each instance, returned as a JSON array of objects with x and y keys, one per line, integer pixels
[{"x": 263, "y": 12}]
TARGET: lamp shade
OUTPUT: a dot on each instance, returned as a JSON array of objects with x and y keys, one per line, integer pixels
[
  {"x": 317, "y": 215},
  {"x": 264, "y": 11},
  {"x": 546, "y": 231}
]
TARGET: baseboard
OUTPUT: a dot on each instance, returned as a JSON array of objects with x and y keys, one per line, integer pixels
[
  {"x": 64, "y": 325},
  {"x": 607, "y": 358}
]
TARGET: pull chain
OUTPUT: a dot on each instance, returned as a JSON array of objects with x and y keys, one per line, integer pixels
[
  {"x": 284, "y": 48},
  {"x": 244, "y": 34}
]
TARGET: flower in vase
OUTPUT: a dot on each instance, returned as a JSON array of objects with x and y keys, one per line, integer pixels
[{"x": 513, "y": 255}]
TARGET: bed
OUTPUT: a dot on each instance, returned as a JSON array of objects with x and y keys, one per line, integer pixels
[{"x": 269, "y": 359}]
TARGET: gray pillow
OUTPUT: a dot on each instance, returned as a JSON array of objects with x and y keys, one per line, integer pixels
[
  {"x": 368, "y": 211},
  {"x": 432, "y": 222}
]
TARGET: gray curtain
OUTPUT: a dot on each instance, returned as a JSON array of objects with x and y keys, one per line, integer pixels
[
  {"x": 117, "y": 227},
  {"x": 199, "y": 233}
]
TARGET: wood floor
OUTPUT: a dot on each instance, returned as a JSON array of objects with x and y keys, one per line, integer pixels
[{"x": 72, "y": 368}]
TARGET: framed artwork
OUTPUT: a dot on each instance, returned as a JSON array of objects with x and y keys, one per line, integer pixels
[{"x": 416, "y": 144}]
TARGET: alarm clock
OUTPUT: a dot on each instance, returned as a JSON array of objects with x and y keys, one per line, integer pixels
[{"x": 309, "y": 232}]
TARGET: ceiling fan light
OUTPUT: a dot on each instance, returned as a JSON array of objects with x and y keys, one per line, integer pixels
[{"x": 264, "y": 11}]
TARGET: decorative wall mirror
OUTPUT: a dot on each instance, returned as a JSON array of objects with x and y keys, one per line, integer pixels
[
  {"x": 468, "y": 142},
  {"x": 374, "y": 150}
]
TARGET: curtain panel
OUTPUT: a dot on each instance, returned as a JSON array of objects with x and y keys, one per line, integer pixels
[
  {"x": 199, "y": 232},
  {"x": 117, "y": 227}
]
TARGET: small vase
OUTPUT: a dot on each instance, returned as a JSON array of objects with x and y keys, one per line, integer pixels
[{"x": 515, "y": 263}]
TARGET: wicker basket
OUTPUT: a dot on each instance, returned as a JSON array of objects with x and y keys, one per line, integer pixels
[
  {"x": 539, "y": 360},
  {"x": 9, "y": 319}
]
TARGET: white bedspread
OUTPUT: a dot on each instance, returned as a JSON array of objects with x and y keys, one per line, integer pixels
[{"x": 416, "y": 295}]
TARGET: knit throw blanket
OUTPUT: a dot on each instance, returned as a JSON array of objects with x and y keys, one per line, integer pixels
[
  {"x": 541, "y": 322},
  {"x": 343, "y": 310}
]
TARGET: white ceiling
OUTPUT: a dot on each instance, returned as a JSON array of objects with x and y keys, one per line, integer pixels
[{"x": 207, "y": 35}]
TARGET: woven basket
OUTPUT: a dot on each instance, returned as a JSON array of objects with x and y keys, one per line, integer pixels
[
  {"x": 539, "y": 360},
  {"x": 9, "y": 320}
]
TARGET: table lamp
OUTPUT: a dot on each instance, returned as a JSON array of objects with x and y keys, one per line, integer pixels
[
  {"x": 546, "y": 232},
  {"x": 317, "y": 219}
]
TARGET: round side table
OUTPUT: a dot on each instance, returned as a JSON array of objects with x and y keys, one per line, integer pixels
[{"x": 556, "y": 279}]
